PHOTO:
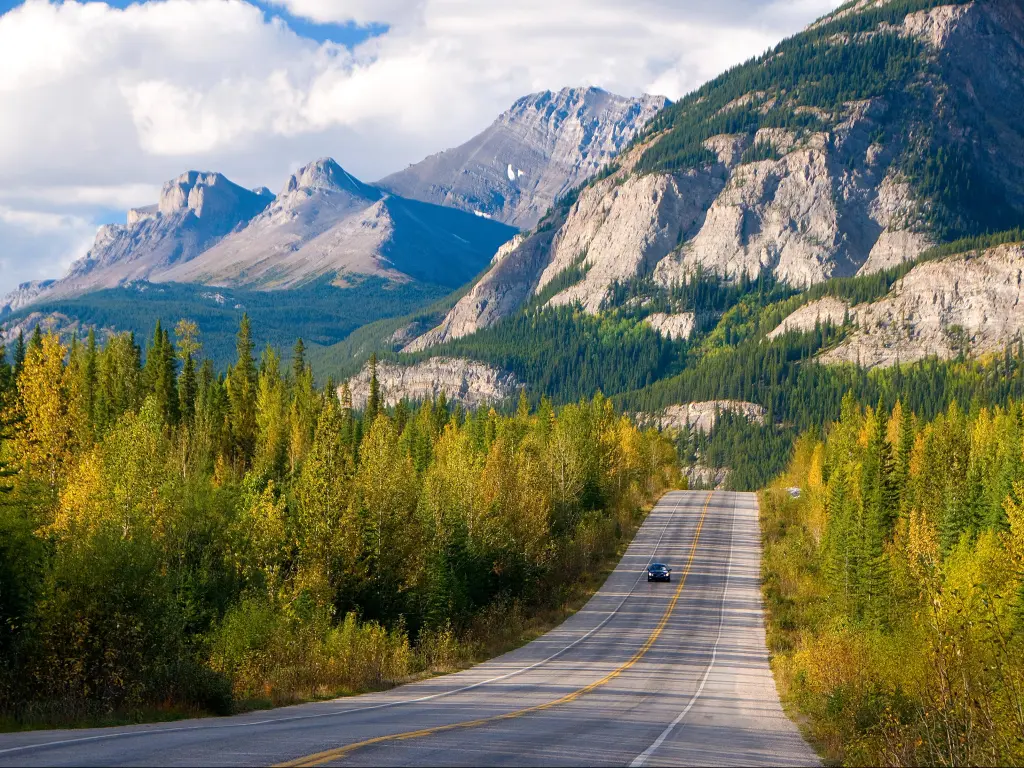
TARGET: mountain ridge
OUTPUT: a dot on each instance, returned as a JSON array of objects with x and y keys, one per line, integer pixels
[
  {"x": 543, "y": 146},
  {"x": 820, "y": 159}
]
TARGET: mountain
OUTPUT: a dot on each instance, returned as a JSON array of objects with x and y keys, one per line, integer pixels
[
  {"x": 194, "y": 211},
  {"x": 326, "y": 223},
  {"x": 880, "y": 131},
  {"x": 545, "y": 145}
]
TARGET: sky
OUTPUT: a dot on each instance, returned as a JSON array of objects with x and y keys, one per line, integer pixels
[{"x": 101, "y": 102}]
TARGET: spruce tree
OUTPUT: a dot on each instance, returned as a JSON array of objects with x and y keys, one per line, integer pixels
[
  {"x": 242, "y": 394},
  {"x": 19, "y": 353},
  {"x": 298, "y": 359},
  {"x": 373, "y": 400}
]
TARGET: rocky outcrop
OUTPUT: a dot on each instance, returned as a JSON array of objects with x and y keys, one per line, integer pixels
[
  {"x": 699, "y": 476},
  {"x": 623, "y": 227},
  {"x": 23, "y": 295},
  {"x": 969, "y": 303},
  {"x": 828, "y": 310},
  {"x": 51, "y": 322},
  {"x": 545, "y": 145},
  {"x": 326, "y": 223},
  {"x": 806, "y": 205},
  {"x": 672, "y": 326},
  {"x": 194, "y": 212},
  {"x": 467, "y": 382},
  {"x": 700, "y": 417},
  {"x": 499, "y": 293}
]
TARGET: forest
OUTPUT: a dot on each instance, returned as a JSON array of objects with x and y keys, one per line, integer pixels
[
  {"x": 894, "y": 579},
  {"x": 175, "y": 539}
]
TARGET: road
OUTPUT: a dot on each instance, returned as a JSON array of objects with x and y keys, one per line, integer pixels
[{"x": 646, "y": 674}]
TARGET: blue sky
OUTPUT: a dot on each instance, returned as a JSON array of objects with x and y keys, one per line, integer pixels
[{"x": 348, "y": 34}]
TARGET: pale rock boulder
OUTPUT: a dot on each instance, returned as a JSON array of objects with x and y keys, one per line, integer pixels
[
  {"x": 467, "y": 382},
  {"x": 970, "y": 302},
  {"x": 673, "y": 327}
]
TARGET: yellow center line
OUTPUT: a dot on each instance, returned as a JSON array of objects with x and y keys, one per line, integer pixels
[{"x": 322, "y": 758}]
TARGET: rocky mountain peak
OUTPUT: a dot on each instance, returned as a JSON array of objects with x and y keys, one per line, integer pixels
[
  {"x": 586, "y": 104},
  {"x": 542, "y": 146},
  {"x": 202, "y": 193},
  {"x": 325, "y": 175}
]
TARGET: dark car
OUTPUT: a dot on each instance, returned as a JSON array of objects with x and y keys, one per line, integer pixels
[{"x": 659, "y": 572}]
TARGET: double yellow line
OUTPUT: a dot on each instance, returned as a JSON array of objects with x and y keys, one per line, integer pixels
[{"x": 322, "y": 758}]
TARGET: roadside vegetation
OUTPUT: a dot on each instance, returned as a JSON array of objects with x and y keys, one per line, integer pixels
[
  {"x": 176, "y": 541},
  {"x": 894, "y": 581}
]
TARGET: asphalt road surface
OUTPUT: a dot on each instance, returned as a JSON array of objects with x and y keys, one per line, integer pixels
[{"x": 646, "y": 674}]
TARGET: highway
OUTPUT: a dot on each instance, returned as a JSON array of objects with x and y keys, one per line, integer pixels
[{"x": 645, "y": 674}]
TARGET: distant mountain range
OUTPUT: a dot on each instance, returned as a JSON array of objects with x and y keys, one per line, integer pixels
[
  {"x": 534, "y": 153},
  {"x": 326, "y": 224}
]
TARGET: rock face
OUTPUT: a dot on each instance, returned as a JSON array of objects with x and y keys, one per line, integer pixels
[
  {"x": 23, "y": 295},
  {"x": 965, "y": 303},
  {"x": 700, "y": 417},
  {"x": 699, "y": 476},
  {"x": 51, "y": 322},
  {"x": 672, "y": 326},
  {"x": 545, "y": 145},
  {"x": 806, "y": 205},
  {"x": 194, "y": 212},
  {"x": 828, "y": 310},
  {"x": 326, "y": 223},
  {"x": 470, "y": 383}
]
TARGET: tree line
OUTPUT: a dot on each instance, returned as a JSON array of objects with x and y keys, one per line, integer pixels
[
  {"x": 174, "y": 535},
  {"x": 895, "y": 583}
]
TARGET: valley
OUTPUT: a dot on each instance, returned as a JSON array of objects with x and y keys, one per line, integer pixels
[{"x": 258, "y": 449}]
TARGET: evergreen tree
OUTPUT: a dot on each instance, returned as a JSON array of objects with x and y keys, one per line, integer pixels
[
  {"x": 298, "y": 359},
  {"x": 19, "y": 352},
  {"x": 242, "y": 394},
  {"x": 373, "y": 400},
  {"x": 36, "y": 342},
  {"x": 187, "y": 346}
]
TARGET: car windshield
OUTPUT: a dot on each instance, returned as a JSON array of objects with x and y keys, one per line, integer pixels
[{"x": 658, "y": 567}]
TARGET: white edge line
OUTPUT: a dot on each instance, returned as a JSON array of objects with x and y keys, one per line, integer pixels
[
  {"x": 386, "y": 705},
  {"x": 640, "y": 759}
]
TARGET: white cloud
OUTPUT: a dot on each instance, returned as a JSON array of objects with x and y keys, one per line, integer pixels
[
  {"x": 99, "y": 104},
  {"x": 35, "y": 245}
]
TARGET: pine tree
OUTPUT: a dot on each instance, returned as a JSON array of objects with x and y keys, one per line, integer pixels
[
  {"x": 159, "y": 374},
  {"x": 19, "y": 352},
  {"x": 242, "y": 395},
  {"x": 373, "y": 400},
  {"x": 298, "y": 360},
  {"x": 187, "y": 337}
]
